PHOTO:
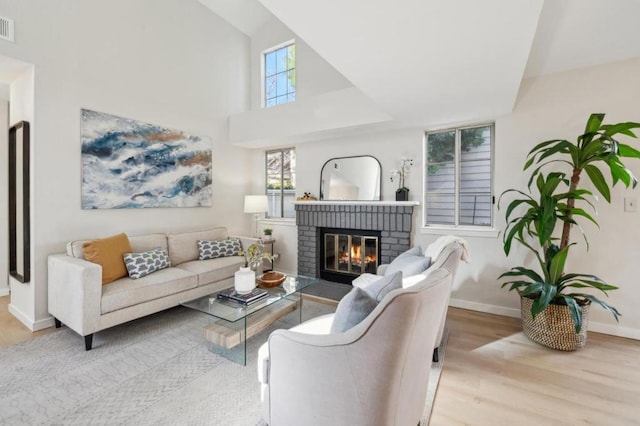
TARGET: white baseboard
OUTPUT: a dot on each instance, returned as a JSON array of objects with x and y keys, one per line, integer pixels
[
  {"x": 596, "y": 327},
  {"x": 483, "y": 307},
  {"x": 43, "y": 323},
  {"x": 4, "y": 291},
  {"x": 30, "y": 323}
]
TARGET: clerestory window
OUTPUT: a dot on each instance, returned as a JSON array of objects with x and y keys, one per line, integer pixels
[{"x": 280, "y": 75}]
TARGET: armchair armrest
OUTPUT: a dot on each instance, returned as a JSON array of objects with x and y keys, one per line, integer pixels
[
  {"x": 75, "y": 292},
  {"x": 382, "y": 268}
]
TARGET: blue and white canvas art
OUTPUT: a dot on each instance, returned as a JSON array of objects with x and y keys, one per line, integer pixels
[{"x": 131, "y": 164}]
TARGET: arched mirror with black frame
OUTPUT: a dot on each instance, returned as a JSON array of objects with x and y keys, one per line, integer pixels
[
  {"x": 356, "y": 178},
  {"x": 19, "y": 223}
]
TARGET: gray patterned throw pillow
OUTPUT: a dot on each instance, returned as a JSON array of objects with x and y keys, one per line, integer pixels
[
  {"x": 218, "y": 248},
  {"x": 142, "y": 264}
]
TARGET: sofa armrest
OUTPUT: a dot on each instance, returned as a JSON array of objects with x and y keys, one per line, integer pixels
[{"x": 75, "y": 292}]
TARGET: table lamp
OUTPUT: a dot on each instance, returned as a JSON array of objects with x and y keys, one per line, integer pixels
[{"x": 256, "y": 204}]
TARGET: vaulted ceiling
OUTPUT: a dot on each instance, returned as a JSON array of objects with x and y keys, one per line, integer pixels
[{"x": 441, "y": 61}]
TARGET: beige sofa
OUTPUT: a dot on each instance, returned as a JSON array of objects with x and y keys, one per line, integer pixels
[{"x": 78, "y": 299}]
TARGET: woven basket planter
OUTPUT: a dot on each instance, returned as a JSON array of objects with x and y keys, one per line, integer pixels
[{"x": 554, "y": 326}]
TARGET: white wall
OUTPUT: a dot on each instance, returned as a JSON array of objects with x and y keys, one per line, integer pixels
[
  {"x": 4, "y": 194},
  {"x": 555, "y": 106},
  {"x": 314, "y": 75},
  {"x": 325, "y": 100},
  {"x": 171, "y": 63}
]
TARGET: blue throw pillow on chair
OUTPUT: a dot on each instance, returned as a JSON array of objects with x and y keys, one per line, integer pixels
[
  {"x": 409, "y": 264},
  {"x": 352, "y": 309},
  {"x": 378, "y": 289}
]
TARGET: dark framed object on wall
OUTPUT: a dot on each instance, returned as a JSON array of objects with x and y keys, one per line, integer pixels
[{"x": 19, "y": 202}]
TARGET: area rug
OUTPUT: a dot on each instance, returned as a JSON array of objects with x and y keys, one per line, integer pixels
[{"x": 152, "y": 371}]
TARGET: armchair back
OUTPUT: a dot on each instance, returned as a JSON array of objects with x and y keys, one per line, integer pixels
[{"x": 375, "y": 373}]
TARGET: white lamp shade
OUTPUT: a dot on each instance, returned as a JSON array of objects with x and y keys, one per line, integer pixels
[{"x": 256, "y": 204}]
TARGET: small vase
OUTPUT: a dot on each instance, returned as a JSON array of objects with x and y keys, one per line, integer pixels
[
  {"x": 402, "y": 195},
  {"x": 244, "y": 280}
]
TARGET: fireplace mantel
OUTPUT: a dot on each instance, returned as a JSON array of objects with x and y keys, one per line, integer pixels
[{"x": 356, "y": 203}]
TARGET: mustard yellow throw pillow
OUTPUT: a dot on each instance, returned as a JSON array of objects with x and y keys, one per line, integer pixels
[{"x": 108, "y": 253}]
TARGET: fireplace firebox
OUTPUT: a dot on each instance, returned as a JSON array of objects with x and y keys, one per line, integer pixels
[{"x": 347, "y": 253}]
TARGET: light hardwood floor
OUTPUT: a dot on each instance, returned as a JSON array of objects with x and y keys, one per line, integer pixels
[
  {"x": 12, "y": 331},
  {"x": 493, "y": 375}
]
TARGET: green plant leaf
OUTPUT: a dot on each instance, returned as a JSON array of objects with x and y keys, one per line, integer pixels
[
  {"x": 521, "y": 271},
  {"x": 598, "y": 181},
  {"x": 623, "y": 128},
  {"x": 575, "y": 310},
  {"x": 594, "y": 299},
  {"x": 556, "y": 266},
  {"x": 628, "y": 151},
  {"x": 538, "y": 147},
  {"x": 581, "y": 212},
  {"x": 547, "y": 294},
  {"x": 594, "y": 122}
]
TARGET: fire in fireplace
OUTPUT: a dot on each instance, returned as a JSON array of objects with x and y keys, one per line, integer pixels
[{"x": 348, "y": 253}]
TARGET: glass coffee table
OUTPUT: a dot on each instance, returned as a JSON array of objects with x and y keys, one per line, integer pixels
[{"x": 232, "y": 323}]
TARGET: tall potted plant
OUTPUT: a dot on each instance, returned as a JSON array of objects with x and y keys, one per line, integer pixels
[{"x": 554, "y": 306}]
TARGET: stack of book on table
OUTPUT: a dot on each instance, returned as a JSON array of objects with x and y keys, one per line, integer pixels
[{"x": 247, "y": 298}]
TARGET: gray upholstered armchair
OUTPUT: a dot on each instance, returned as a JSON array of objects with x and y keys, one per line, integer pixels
[
  {"x": 445, "y": 252},
  {"x": 375, "y": 373}
]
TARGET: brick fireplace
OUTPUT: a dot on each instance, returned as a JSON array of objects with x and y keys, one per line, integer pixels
[{"x": 389, "y": 219}]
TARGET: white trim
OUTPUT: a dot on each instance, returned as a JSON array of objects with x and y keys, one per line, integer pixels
[
  {"x": 462, "y": 231},
  {"x": 595, "y": 327},
  {"x": 357, "y": 203},
  {"x": 285, "y": 221},
  {"x": 28, "y": 322},
  {"x": 483, "y": 307},
  {"x": 4, "y": 292},
  {"x": 47, "y": 322}
]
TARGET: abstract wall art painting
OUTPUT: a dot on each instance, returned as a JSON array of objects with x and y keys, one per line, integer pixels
[{"x": 131, "y": 164}]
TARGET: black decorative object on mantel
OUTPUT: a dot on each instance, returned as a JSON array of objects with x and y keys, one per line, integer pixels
[{"x": 402, "y": 194}]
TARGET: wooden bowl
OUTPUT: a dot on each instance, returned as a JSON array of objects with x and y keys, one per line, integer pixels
[{"x": 271, "y": 279}]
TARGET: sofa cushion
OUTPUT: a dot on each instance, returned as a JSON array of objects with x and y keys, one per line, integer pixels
[
  {"x": 138, "y": 243},
  {"x": 380, "y": 288},
  {"x": 108, "y": 252},
  {"x": 218, "y": 248},
  {"x": 409, "y": 264},
  {"x": 183, "y": 246},
  {"x": 213, "y": 270},
  {"x": 352, "y": 309},
  {"x": 142, "y": 264},
  {"x": 142, "y": 243},
  {"x": 127, "y": 292}
]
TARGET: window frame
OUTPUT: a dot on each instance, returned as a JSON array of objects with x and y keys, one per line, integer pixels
[
  {"x": 466, "y": 229},
  {"x": 266, "y": 179},
  {"x": 263, "y": 71}
]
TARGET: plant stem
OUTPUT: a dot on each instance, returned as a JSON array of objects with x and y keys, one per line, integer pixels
[{"x": 566, "y": 229}]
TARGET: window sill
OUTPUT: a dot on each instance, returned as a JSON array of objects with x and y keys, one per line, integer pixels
[
  {"x": 462, "y": 231},
  {"x": 283, "y": 221}
]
